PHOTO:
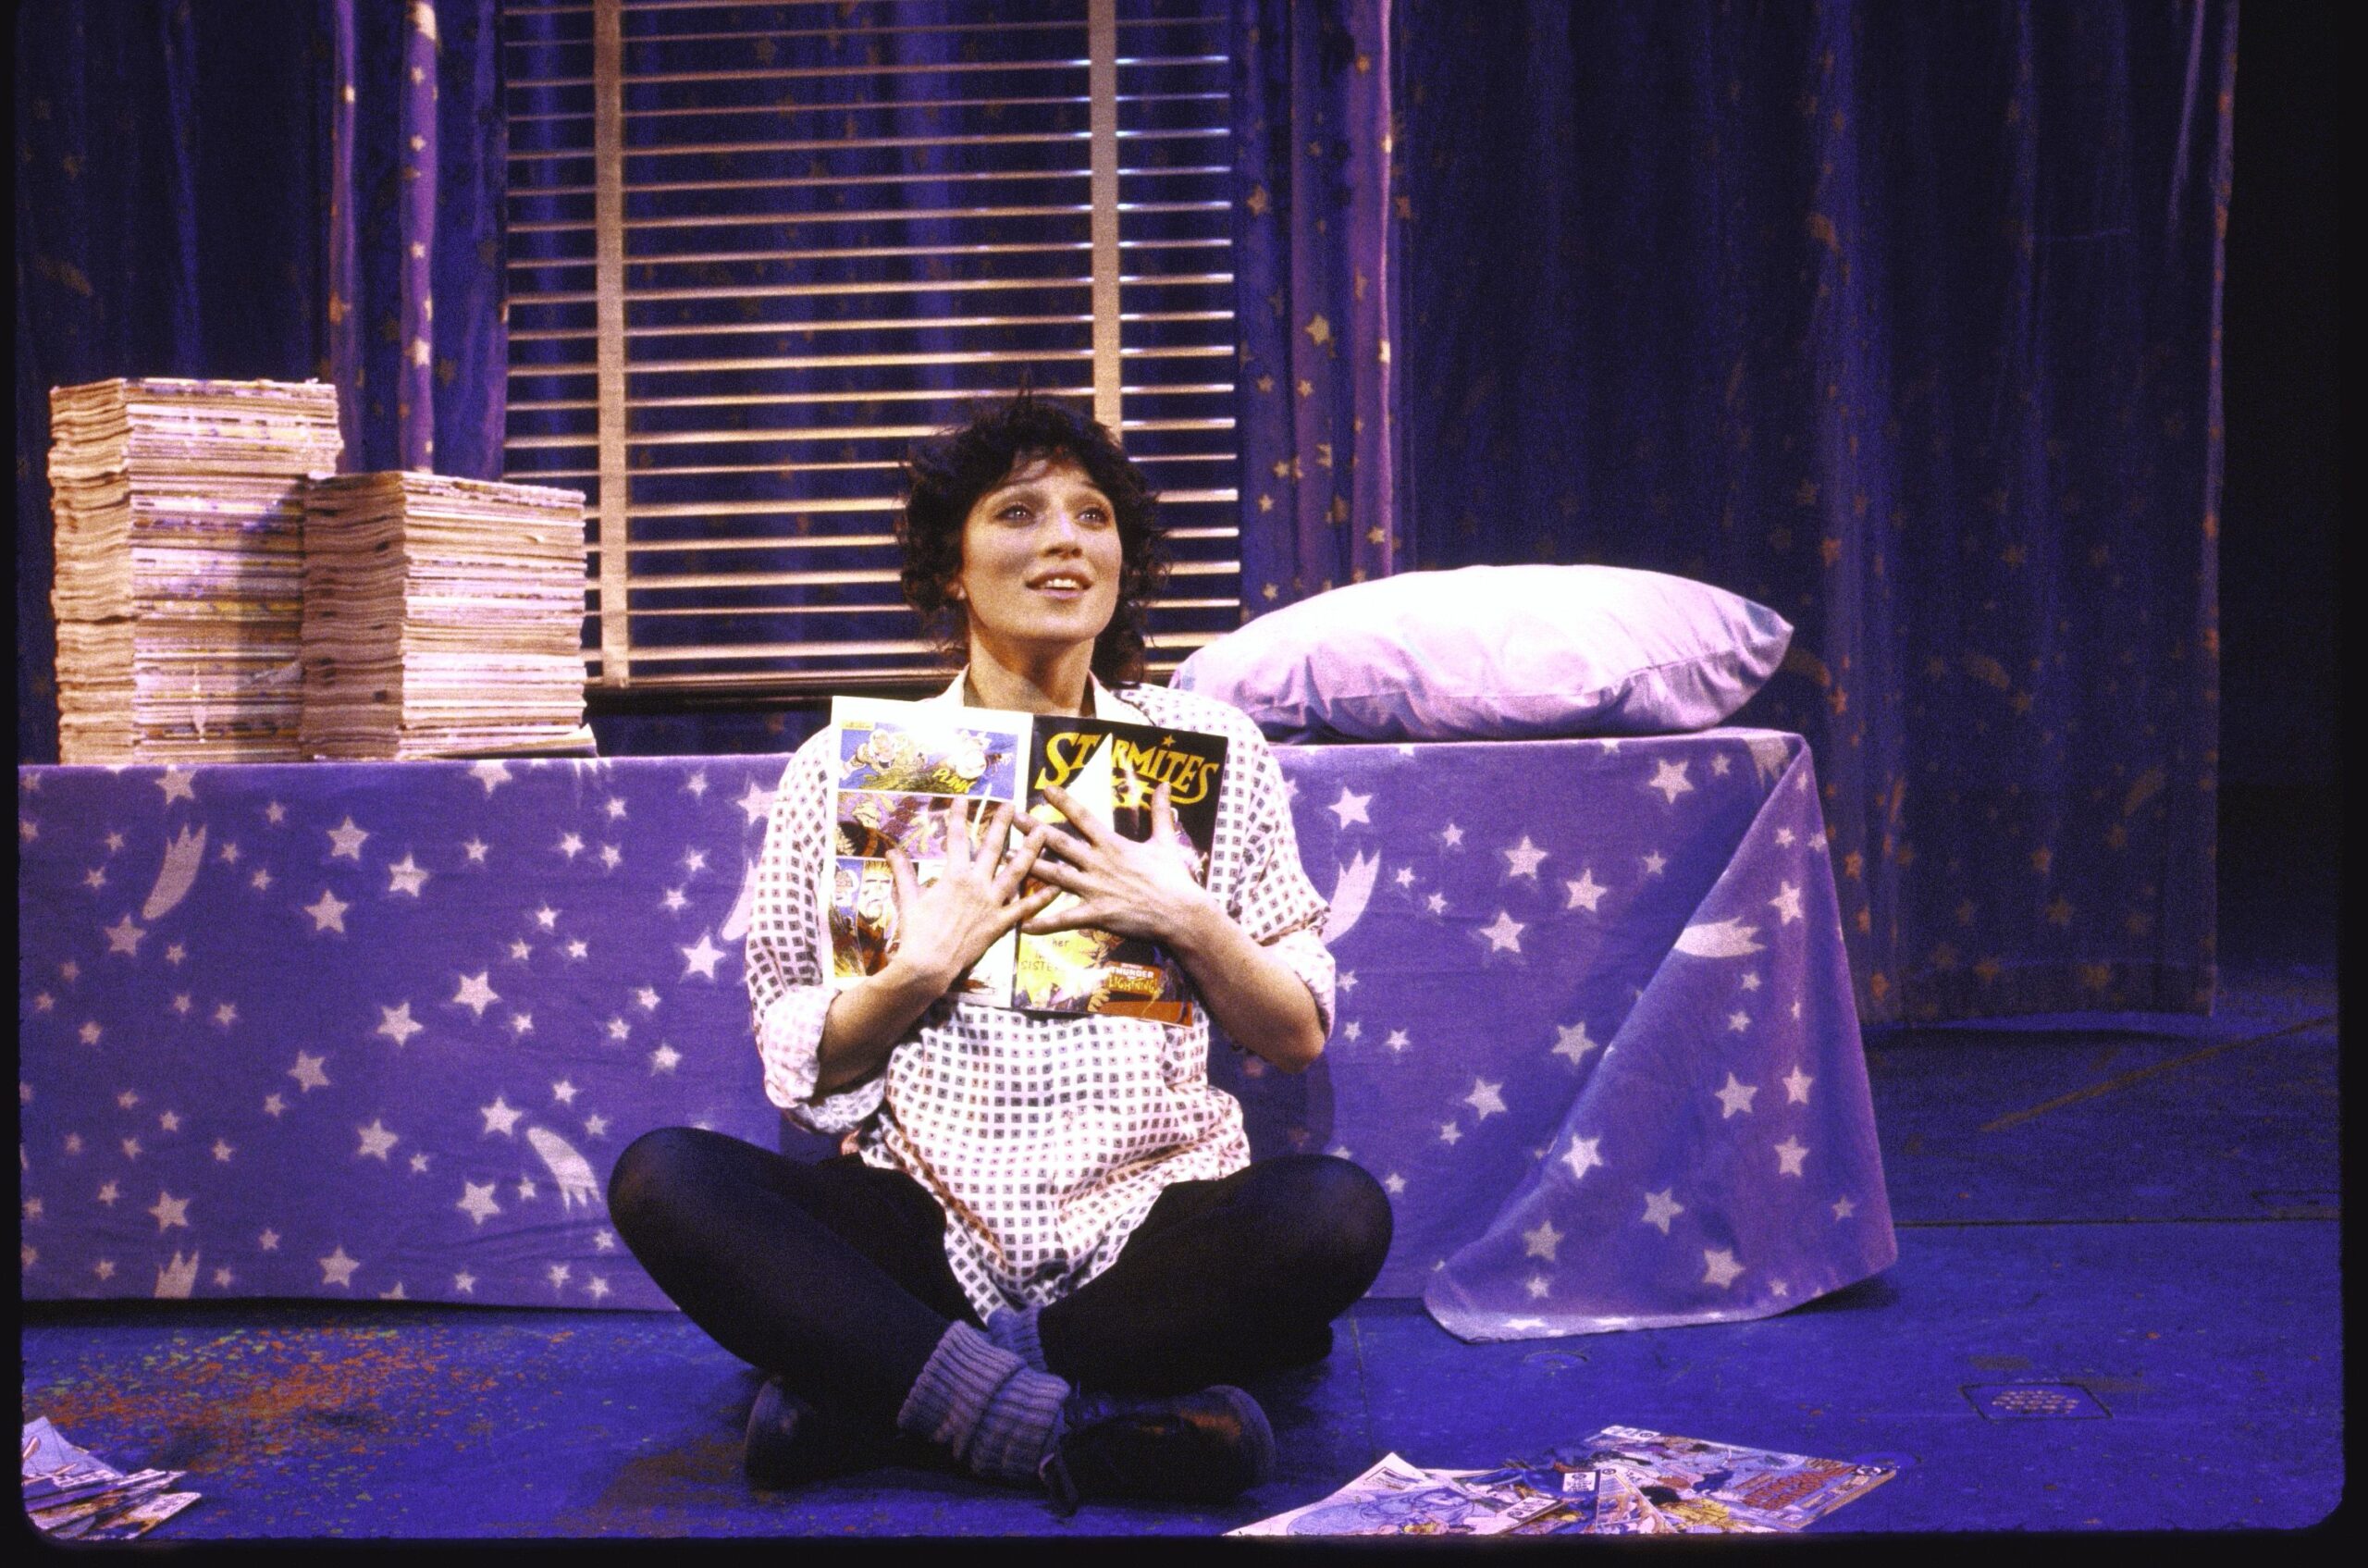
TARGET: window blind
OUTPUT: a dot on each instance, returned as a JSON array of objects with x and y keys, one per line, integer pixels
[{"x": 756, "y": 250}]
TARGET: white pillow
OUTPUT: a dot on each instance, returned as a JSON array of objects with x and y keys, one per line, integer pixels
[{"x": 1496, "y": 653}]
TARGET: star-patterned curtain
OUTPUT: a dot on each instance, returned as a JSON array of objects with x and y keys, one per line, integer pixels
[
  {"x": 1317, "y": 216},
  {"x": 1903, "y": 320},
  {"x": 282, "y": 191}
]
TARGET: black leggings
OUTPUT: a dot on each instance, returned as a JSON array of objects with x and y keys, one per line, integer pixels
[{"x": 833, "y": 1274}]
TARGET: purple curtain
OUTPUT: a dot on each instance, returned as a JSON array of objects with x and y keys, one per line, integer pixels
[
  {"x": 1317, "y": 216},
  {"x": 256, "y": 192},
  {"x": 1903, "y": 320}
]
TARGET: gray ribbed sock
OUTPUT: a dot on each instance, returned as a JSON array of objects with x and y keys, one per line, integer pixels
[
  {"x": 981, "y": 1402},
  {"x": 1015, "y": 1329}
]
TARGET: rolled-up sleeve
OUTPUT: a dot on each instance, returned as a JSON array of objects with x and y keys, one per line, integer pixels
[
  {"x": 1274, "y": 904},
  {"x": 789, "y": 992}
]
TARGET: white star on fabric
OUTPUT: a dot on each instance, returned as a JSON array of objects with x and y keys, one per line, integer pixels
[
  {"x": 170, "y": 1121},
  {"x": 124, "y": 937},
  {"x": 230, "y": 855},
  {"x": 1668, "y": 777},
  {"x": 328, "y": 914},
  {"x": 274, "y": 1105},
  {"x": 499, "y": 1118},
  {"x": 1843, "y": 1208},
  {"x": 665, "y": 1059},
  {"x": 477, "y": 1201},
  {"x": 90, "y": 1032},
  {"x": 616, "y": 808},
  {"x": 1571, "y": 1043},
  {"x": 1451, "y": 836},
  {"x": 755, "y": 802},
  {"x": 103, "y": 1268},
  {"x": 169, "y": 1210},
  {"x": 1347, "y": 980},
  {"x": 1436, "y": 903},
  {"x": 610, "y": 855},
  {"x": 1785, "y": 838},
  {"x": 604, "y": 1241},
  {"x": 1778, "y": 1289},
  {"x": 419, "y": 1165},
  {"x": 394, "y": 1295},
  {"x": 376, "y": 1140},
  {"x": 477, "y": 991},
  {"x": 274, "y": 814},
  {"x": 525, "y": 1189},
  {"x": 337, "y": 1268},
  {"x": 176, "y": 785},
  {"x": 1738, "y": 1021},
  {"x": 695, "y": 861},
  {"x": 396, "y": 1023},
  {"x": 491, "y": 775},
  {"x": 406, "y": 877},
  {"x": 1395, "y": 1183},
  {"x": 175, "y": 953},
  {"x": 1720, "y": 1267},
  {"x": 261, "y": 882},
  {"x": 1661, "y": 1207},
  {"x": 1353, "y": 1030},
  {"x": 95, "y": 877},
  {"x": 647, "y": 998},
  {"x": 701, "y": 959},
  {"x": 619, "y": 1028},
  {"x": 1583, "y": 1155},
  {"x": 475, "y": 848},
  {"x": 697, "y": 784},
  {"x": 596, "y": 1126},
  {"x": 226, "y": 1014},
  {"x": 1485, "y": 1100},
  {"x": 547, "y": 918},
  {"x": 108, "y": 1193},
  {"x": 1796, "y": 1087},
  {"x": 1719, "y": 763},
  {"x": 307, "y": 1071},
  {"x": 268, "y": 1240},
  {"x": 1397, "y": 1040},
  {"x": 1787, "y": 903},
  {"x": 1541, "y": 1243},
  {"x": 521, "y": 1023},
  {"x": 1735, "y": 1097},
  {"x": 1350, "y": 807},
  {"x": 346, "y": 840},
  {"x": 1750, "y": 982},
  {"x": 570, "y": 845},
  {"x": 1505, "y": 934},
  {"x": 579, "y": 948},
  {"x": 1537, "y": 1285},
  {"x": 1789, "y": 1155},
  {"x": 1796, "y": 1009},
  {"x": 1522, "y": 858},
  {"x": 599, "y": 1287},
  {"x": 675, "y": 900},
  {"x": 519, "y": 951},
  {"x": 1585, "y": 892},
  {"x": 557, "y": 1274},
  {"x": 71, "y": 969},
  {"x": 1654, "y": 862},
  {"x": 1403, "y": 876},
  {"x": 564, "y": 1091},
  {"x": 1450, "y": 1134},
  {"x": 465, "y": 1282}
]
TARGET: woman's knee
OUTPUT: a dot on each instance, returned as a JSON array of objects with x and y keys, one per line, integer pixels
[
  {"x": 1343, "y": 1218},
  {"x": 653, "y": 1165}
]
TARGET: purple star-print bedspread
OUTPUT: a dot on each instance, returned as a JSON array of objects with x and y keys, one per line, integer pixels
[
  {"x": 381, "y": 1030},
  {"x": 1595, "y": 1032}
]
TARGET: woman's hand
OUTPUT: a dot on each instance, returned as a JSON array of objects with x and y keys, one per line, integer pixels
[
  {"x": 1146, "y": 890},
  {"x": 945, "y": 927}
]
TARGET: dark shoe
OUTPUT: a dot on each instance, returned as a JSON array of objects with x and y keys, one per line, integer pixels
[
  {"x": 791, "y": 1442},
  {"x": 1205, "y": 1447}
]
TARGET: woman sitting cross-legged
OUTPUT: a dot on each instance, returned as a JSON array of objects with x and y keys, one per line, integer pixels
[{"x": 1046, "y": 1250}]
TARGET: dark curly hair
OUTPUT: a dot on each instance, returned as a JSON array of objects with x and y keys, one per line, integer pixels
[{"x": 947, "y": 475}]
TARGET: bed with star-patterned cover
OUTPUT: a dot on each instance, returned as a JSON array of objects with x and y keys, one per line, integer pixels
[{"x": 380, "y": 1029}]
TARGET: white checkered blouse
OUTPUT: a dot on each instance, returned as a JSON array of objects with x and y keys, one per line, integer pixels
[{"x": 1045, "y": 1138}]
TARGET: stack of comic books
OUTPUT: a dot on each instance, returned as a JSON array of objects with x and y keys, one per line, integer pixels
[
  {"x": 179, "y": 510},
  {"x": 913, "y": 775},
  {"x": 443, "y": 618},
  {"x": 69, "y": 1495},
  {"x": 1623, "y": 1481}
]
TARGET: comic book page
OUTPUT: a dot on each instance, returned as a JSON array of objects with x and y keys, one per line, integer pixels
[
  {"x": 909, "y": 775},
  {"x": 1113, "y": 771},
  {"x": 1705, "y": 1487},
  {"x": 1393, "y": 1497}
]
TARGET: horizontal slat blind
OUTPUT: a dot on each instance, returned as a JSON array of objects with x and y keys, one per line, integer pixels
[{"x": 839, "y": 224}]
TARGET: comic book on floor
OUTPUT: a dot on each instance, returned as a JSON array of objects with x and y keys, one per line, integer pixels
[
  {"x": 907, "y": 773},
  {"x": 72, "y": 1495},
  {"x": 1623, "y": 1481},
  {"x": 1702, "y": 1487}
]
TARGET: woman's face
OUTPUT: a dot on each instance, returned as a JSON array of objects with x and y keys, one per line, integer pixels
[{"x": 1041, "y": 561}]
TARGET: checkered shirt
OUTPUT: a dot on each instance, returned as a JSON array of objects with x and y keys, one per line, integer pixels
[{"x": 1046, "y": 1138}]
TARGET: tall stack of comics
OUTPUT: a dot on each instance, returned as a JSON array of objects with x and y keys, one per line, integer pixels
[
  {"x": 443, "y": 618},
  {"x": 178, "y": 507}
]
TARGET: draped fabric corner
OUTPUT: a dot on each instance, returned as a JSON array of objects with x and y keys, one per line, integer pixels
[
  {"x": 1317, "y": 216},
  {"x": 286, "y": 192}
]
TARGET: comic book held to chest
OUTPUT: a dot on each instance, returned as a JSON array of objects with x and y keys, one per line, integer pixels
[{"x": 910, "y": 774}]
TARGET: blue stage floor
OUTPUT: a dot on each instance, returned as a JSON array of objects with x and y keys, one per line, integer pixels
[{"x": 2144, "y": 1208}]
